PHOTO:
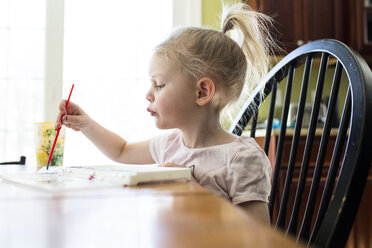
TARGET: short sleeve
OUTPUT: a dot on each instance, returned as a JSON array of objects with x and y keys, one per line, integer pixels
[
  {"x": 163, "y": 145},
  {"x": 249, "y": 175}
]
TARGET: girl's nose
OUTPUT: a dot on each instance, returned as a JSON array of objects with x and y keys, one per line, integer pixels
[{"x": 150, "y": 96}]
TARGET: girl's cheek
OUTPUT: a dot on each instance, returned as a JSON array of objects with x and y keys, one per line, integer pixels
[{"x": 162, "y": 104}]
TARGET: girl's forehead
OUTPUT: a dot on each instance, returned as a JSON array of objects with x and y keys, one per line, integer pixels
[{"x": 159, "y": 66}]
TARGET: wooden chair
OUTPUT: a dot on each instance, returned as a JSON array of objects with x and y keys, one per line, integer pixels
[{"x": 324, "y": 223}]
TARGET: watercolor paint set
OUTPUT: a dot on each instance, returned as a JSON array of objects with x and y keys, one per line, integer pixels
[{"x": 89, "y": 177}]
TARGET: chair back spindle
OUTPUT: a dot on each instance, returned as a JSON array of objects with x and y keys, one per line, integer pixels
[
  {"x": 270, "y": 117},
  {"x": 279, "y": 151}
]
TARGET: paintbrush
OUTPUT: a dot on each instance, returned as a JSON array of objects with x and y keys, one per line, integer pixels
[{"x": 59, "y": 129}]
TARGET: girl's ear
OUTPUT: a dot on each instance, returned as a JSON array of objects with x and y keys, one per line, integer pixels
[{"x": 205, "y": 91}]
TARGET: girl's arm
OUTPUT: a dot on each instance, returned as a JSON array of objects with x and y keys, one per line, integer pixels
[
  {"x": 257, "y": 209},
  {"x": 111, "y": 144},
  {"x": 116, "y": 148}
]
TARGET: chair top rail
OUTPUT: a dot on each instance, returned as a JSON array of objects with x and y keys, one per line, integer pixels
[{"x": 335, "y": 48}]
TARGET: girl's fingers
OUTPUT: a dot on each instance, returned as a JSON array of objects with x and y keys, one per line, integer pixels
[
  {"x": 72, "y": 127},
  {"x": 62, "y": 105},
  {"x": 58, "y": 124},
  {"x": 71, "y": 119},
  {"x": 74, "y": 121},
  {"x": 71, "y": 108}
]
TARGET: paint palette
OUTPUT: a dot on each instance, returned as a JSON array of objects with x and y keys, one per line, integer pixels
[
  {"x": 75, "y": 178},
  {"x": 128, "y": 174}
]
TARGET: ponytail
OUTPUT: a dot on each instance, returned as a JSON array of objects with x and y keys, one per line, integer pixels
[{"x": 255, "y": 39}]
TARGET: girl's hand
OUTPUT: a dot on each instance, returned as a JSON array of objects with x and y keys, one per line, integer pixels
[
  {"x": 73, "y": 117},
  {"x": 169, "y": 164}
]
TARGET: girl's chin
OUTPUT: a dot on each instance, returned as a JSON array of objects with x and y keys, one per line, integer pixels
[{"x": 160, "y": 125}]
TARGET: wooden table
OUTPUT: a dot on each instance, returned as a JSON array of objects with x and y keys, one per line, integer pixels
[{"x": 176, "y": 214}]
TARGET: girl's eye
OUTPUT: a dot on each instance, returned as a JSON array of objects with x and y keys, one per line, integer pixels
[{"x": 159, "y": 86}]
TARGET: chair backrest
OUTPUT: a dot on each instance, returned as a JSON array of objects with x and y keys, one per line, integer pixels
[{"x": 327, "y": 65}]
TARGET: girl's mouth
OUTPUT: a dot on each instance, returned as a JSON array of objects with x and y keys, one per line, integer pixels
[{"x": 151, "y": 112}]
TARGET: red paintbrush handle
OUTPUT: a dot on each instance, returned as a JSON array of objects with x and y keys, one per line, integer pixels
[{"x": 55, "y": 140}]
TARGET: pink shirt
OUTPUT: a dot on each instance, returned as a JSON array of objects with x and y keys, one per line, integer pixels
[{"x": 238, "y": 171}]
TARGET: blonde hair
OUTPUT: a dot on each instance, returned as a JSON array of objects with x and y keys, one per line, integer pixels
[{"x": 204, "y": 52}]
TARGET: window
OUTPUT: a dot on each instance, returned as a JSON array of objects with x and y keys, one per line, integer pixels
[
  {"x": 103, "y": 47},
  {"x": 106, "y": 55},
  {"x": 22, "y": 50}
]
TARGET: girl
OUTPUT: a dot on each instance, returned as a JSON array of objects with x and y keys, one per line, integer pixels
[{"x": 195, "y": 74}]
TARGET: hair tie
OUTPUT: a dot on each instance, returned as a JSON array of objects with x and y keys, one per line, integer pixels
[{"x": 229, "y": 25}]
